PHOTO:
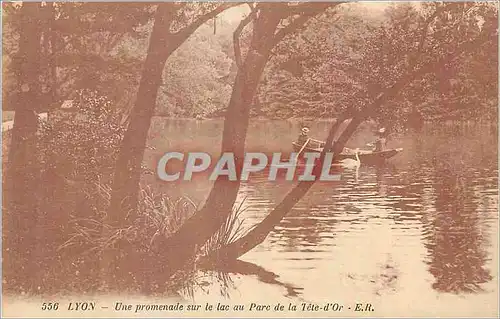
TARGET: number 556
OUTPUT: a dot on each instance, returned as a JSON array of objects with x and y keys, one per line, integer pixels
[{"x": 50, "y": 306}]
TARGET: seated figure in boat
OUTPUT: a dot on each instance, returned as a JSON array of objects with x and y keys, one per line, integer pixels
[
  {"x": 303, "y": 137},
  {"x": 381, "y": 141}
]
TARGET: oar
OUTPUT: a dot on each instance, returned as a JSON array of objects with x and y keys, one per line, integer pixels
[{"x": 303, "y": 147}]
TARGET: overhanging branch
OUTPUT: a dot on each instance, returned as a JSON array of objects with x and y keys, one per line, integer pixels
[
  {"x": 258, "y": 234},
  {"x": 404, "y": 80}
]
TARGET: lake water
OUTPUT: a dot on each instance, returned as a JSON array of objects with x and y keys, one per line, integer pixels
[{"x": 417, "y": 236}]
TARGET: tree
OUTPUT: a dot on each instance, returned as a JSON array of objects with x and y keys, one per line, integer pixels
[
  {"x": 81, "y": 48},
  {"x": 341, "y": 63},
  {"x": 414, "y": 69},
  {"x": 266, "y": 34},
  {"x": 311, "y": 74},
  {"x": 44, "y": 50},
  {"x": 21, "y": 178},
  {"x": 445, "y": 93},
  {"x": 192, "y": 85},
  {"x": 379, "y": 78},
  {"x": 168, "y": 33}
]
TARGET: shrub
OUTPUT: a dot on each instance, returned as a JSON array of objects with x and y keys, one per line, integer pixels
[
  {"x": 82, "y": 143},
  {"x": 158, "y": 215},
  {"x": 76, "y": 149}
]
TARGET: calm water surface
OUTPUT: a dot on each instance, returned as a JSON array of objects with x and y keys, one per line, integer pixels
[{"x": 419, "y": 234}]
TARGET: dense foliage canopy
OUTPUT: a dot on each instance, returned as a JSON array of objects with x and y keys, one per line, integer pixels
[
  {"x": 331, "y": 67},
  {"x": 334, "y": 64}
]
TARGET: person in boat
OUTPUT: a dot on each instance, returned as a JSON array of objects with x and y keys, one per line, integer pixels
[
  {"x": 303, "y": 137},
  {"x": 381, "y": 141}
]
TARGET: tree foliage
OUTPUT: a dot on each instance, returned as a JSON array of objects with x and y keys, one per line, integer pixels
[
  {"x": 193, "y": 78},
  {"x": 330, "y": 68},
  {"x": 81, "y": 145},
  {"x": 80, "y": 50}
]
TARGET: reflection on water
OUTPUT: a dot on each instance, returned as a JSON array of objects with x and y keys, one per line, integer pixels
[{"x": 427, "y": 219}]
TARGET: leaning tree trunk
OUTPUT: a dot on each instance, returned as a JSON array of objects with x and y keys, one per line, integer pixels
[
  {"x": 162, "y": 44},
  {"x": 199, "y": 228},
  {"x": 21, "y": 215},
  {"x": 180, "y": 247},
  {"x": 258, "y": 234},
  {"x": 127, "y": 171},
  {"x": 124, "y": 197}
]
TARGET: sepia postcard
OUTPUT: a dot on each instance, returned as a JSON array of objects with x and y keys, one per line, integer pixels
[{"x": 250, "y": 159}]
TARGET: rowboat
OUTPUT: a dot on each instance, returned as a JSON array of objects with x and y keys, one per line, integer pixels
[{"x": 365, "y": 156}]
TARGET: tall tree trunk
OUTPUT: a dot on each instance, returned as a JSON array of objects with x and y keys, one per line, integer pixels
[
  {"x": 21, "y": 177},
  {"x": 219, "y": 204},
  {"x": 200, "y": 227},
  {"x": 124, "y": 197},
  {"x": 207, "y": 221},
  {"x": 162, "y": 44},
  {"x": 127, "y": 171}
]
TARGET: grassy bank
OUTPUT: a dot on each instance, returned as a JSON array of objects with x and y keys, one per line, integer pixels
[{"x": 57, "y": 237}]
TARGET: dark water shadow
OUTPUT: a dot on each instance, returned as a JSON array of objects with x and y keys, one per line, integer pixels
[{"x": 245, "y": 268}]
